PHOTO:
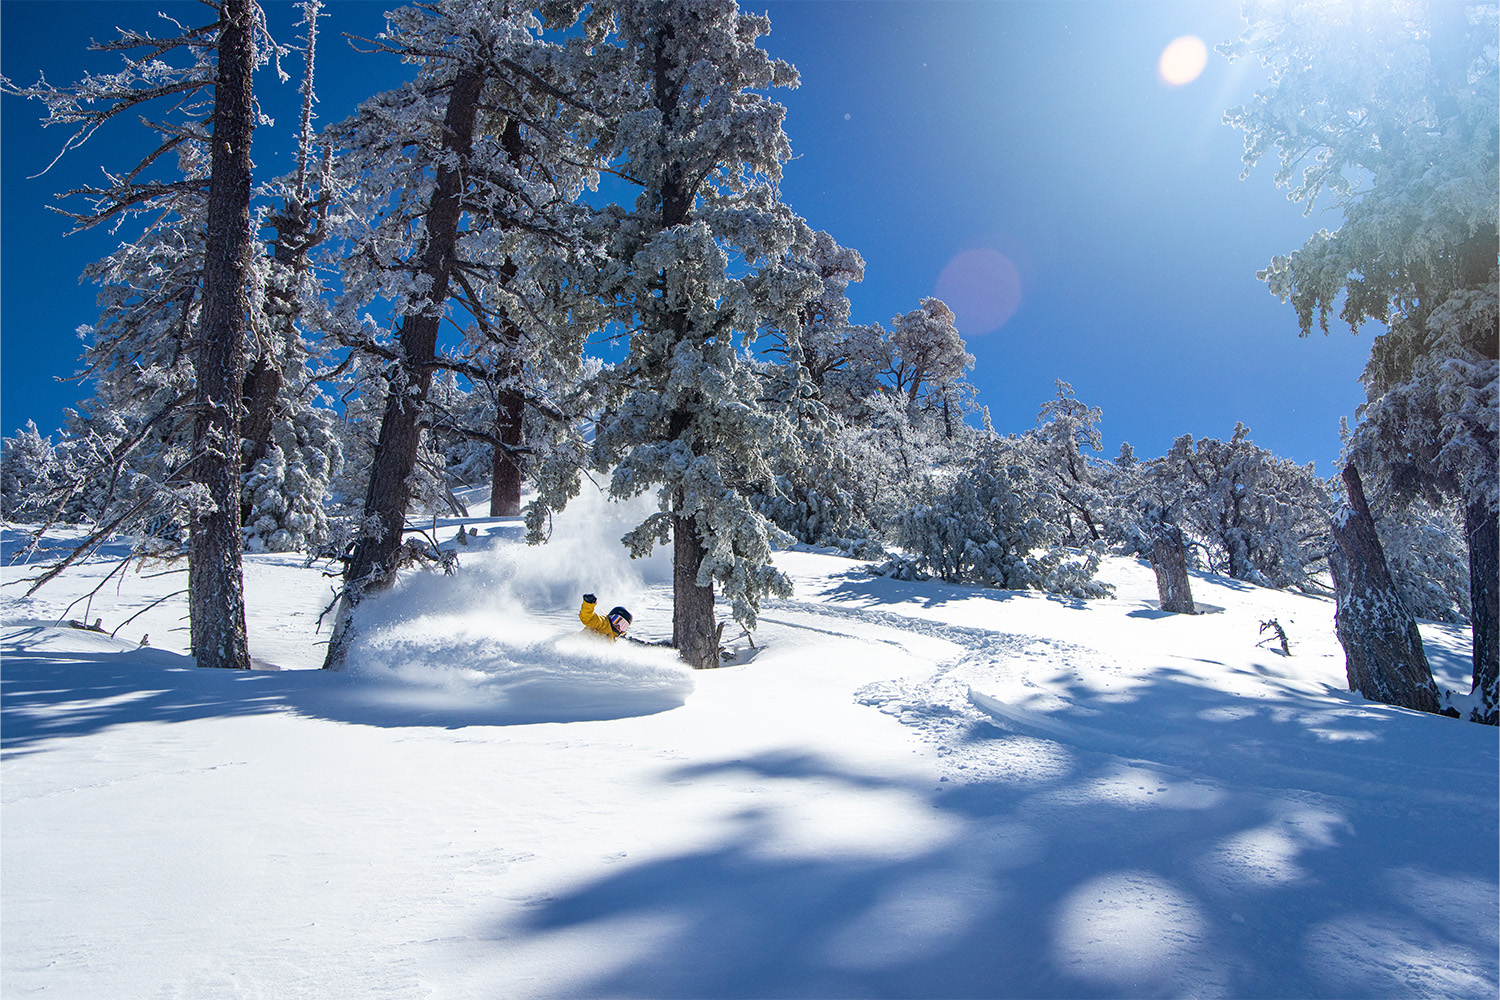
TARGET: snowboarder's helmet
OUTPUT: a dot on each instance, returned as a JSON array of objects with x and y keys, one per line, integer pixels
[{"x": 620, "y": 619}]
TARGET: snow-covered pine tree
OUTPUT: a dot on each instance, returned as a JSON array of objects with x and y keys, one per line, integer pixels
[
  {"x": 524, "y": 375},
  {"x": 1391, "y": 113},
  {"x": 1066, "y": 427},
  {"x": 1255, "y": 517},
  {"x": 686, "y": 414},
  {"x": 361, "y": 385},
  {"x": 927, "y": 357},
  {"x": 1422, "y": 534},
  {"x": 1129, "y": 497},
  {"x": 1430, "y": 424},
  {"x": 989, "y": 525},
  {"x": 440, "y": 452},
  {"x": 823, "y": 342},
  {"x": 823, "y": 362},
  {"x": 216, "y": 599},
  {"x": 29, "y": 474},
  {"x": 1428, "y": 557},
  {"x": 467, "y": 459},
  {"x": 290, "y": 451},
  {"x": 437, "y": 211},
  {"x": 894, "y": 465},
  {"x": 1174, "y": 589},
  {"x": 1141, "y": 510},
  {"x": 900, "y": 404},
  {"x": 208, "y": 118}
]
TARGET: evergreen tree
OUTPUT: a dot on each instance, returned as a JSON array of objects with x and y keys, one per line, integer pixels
[
  {"x": 843, "y": 362},
  {"x": 927, "y": 355},
  {"x": 900, "y": 405},
  {"x": 208, "y": 123},
  {"x": 989, "y": 526},
  {"x": 1255, "y": 517},
  {"x": 448, "y": 182},
  {"x": 1141, "y": 514},
  {"x": 290, "y": 451},
  {"x": 28, "y": 474},
  {"x": 685, "y": 411},
  {"x": 1424, "y": 546},
  {"x": 1391, "y": 112},
  {"x": 1067, "y": 428},
  {"x": 1422, "y": 535},
  {"x": 825, "y": 365}
]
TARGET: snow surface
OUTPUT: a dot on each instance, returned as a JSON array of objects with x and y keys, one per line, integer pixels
[{"x": 914, "y": 790}]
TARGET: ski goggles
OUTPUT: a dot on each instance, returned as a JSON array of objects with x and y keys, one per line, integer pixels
[{"x": 620, "y": 623}]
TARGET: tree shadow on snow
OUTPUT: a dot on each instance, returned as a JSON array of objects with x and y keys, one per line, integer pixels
[
  {"x": 46, "y": 693},
  {"x": 1182, "y": 843}
]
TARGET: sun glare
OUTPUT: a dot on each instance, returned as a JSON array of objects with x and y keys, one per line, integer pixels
[{"x": 1183, "y": 60}]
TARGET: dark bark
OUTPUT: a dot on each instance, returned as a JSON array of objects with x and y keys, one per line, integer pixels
[
  {"x": 1484, "y": 590},
  {"x": 510, "y": 405},
  {"x": 1169, "y": 560},
  {"x": 693, "y": 630},
  {"x": 694, "y": 633},
  {"x": 216, "y": 600},
  {"x": 373, "y": 563},
  {"x": 506, "y": 479},
  {"x": 262, "y": 389},
  {"x": 1383, "y": 651}
]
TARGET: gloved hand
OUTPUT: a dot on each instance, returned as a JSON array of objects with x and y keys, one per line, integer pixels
[{"x": 590, "y": 599}]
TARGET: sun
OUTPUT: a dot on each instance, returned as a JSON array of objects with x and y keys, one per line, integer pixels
[{"x": 1182, "y": 60}]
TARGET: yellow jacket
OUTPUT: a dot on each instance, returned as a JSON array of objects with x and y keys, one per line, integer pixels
[{"x": 595, "y": 622}]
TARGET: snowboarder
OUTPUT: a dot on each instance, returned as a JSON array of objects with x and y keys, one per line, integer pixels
[{"x": 611, "y": 626}]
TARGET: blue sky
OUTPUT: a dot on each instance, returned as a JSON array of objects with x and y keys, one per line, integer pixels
[{"x": 1022, "y": 159}]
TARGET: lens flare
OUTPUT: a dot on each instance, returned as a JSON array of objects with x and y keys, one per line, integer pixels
[
  {"x": 1183, "y": 60},
  {"x": 982, "y": 287}
]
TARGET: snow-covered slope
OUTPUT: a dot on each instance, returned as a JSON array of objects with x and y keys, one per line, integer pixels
[{"x": 913, "y": 790}]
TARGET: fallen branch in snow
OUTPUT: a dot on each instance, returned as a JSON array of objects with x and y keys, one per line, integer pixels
[{"x": 1279, "y": 633}]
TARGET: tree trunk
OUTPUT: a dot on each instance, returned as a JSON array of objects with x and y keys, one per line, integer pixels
[
  {"x": 1484, "y": 591},
  {"x": 693, "y": 630},
  {"x": 506, "y": 478},
  {"x": 373, "y": 564},
  {"x": 1169, "y": 560},
  {"x": 216, "y": 598},
  {"x": 261, "y": 391},
  {"x": 1382, "y": 648},
  {"x": 510, "y": 406}
]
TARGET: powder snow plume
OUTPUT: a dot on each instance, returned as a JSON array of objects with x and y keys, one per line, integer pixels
[{"x": 500, "y": 641}]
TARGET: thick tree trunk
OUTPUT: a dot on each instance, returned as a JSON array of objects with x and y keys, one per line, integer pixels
[
  {"x": 693, "y": 630},
  {"x": 506, "y": 480},
  {"x": 216, "y": 598},
  {"x": 510, "y": 407},
  {"x": 373, "y": 564},
  {"x": 1169, "y": 560},
  {"x": 1484, "y": 591},
  {"x": 1382, "y": 648}
]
